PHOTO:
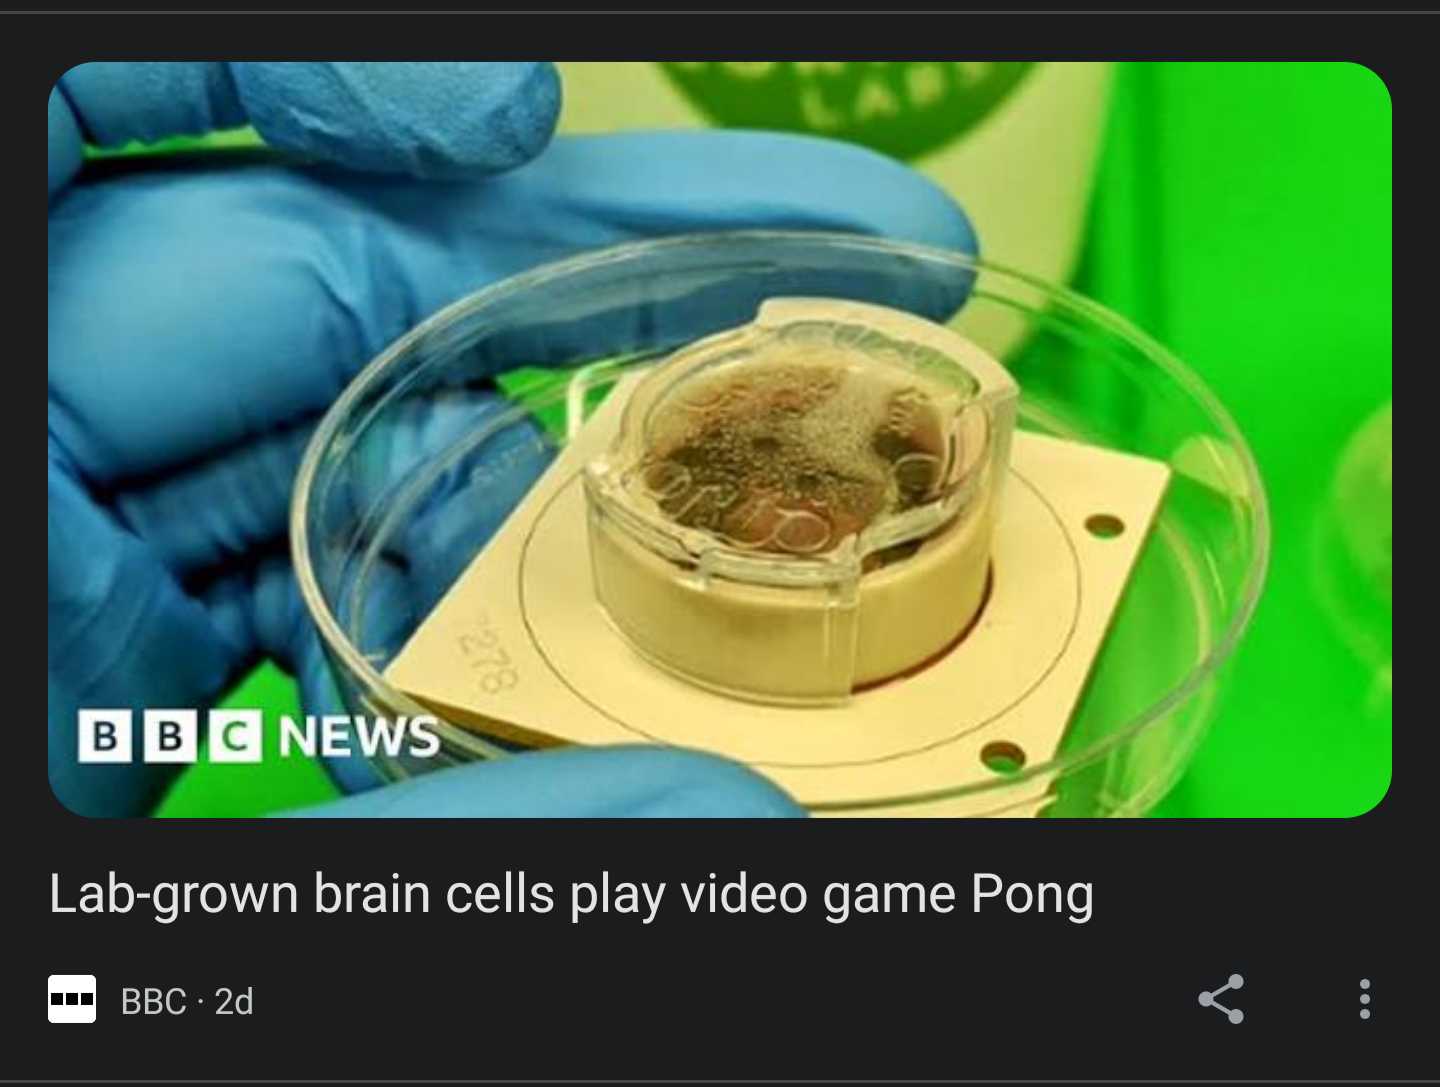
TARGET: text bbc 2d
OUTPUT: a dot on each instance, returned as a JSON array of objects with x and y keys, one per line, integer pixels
[{"x": 157, "y": 1000}]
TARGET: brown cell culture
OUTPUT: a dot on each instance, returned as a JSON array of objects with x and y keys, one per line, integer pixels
[{"x": 792, "y": 458}]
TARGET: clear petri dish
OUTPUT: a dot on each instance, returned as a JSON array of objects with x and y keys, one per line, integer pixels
[{"x": 423, "y": 456}]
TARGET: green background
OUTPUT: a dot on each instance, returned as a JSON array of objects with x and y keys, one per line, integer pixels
[{"x": 1242, "y": 215}]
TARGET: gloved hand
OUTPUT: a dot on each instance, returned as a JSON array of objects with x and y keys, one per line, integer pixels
[{"x": 200, "y": 321}]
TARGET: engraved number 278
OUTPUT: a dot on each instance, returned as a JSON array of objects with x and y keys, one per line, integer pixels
[{"x": 487, "y": 657}]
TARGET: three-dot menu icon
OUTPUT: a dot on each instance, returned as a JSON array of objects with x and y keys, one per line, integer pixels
[
  {"x": 1364, "y": 998},
  {"x": 72, "y": 998}
]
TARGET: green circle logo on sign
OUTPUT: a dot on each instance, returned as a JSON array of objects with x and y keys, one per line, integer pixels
[{"x": 903, "y": 108}]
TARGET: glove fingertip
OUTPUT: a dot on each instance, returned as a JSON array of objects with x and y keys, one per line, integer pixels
[
  {"x": 892, "y": 199},
  {"x": 431, "y": 120},
  {"x": 703, "y": 786},
  {"x": 569, "y": 783},
  {"x": 525, "y": 111}
]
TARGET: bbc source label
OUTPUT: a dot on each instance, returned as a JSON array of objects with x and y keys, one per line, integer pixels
[{"x": 173, "y": 736}]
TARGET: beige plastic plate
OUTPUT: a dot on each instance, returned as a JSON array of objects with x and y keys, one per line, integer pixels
[{"x": 519, "y": 648}]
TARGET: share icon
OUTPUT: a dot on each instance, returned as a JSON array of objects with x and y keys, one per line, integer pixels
[{"x": 1207, "y": 1000}]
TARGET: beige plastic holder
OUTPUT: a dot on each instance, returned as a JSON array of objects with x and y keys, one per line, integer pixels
[
  {"x": 933, "y": 640},
  {"x": 784, "y": 500}
]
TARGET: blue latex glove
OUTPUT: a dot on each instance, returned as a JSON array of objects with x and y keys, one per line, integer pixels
[{"x": 201, "y": 321}]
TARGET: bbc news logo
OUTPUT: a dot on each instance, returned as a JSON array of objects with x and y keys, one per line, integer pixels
[{"x": 235, "y": 736}]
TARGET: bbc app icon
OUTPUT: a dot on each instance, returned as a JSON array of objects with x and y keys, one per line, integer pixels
[{"x": 72, "y": 998}]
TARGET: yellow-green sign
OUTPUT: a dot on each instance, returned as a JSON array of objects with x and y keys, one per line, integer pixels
[{"x": 903, "y": 108}]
